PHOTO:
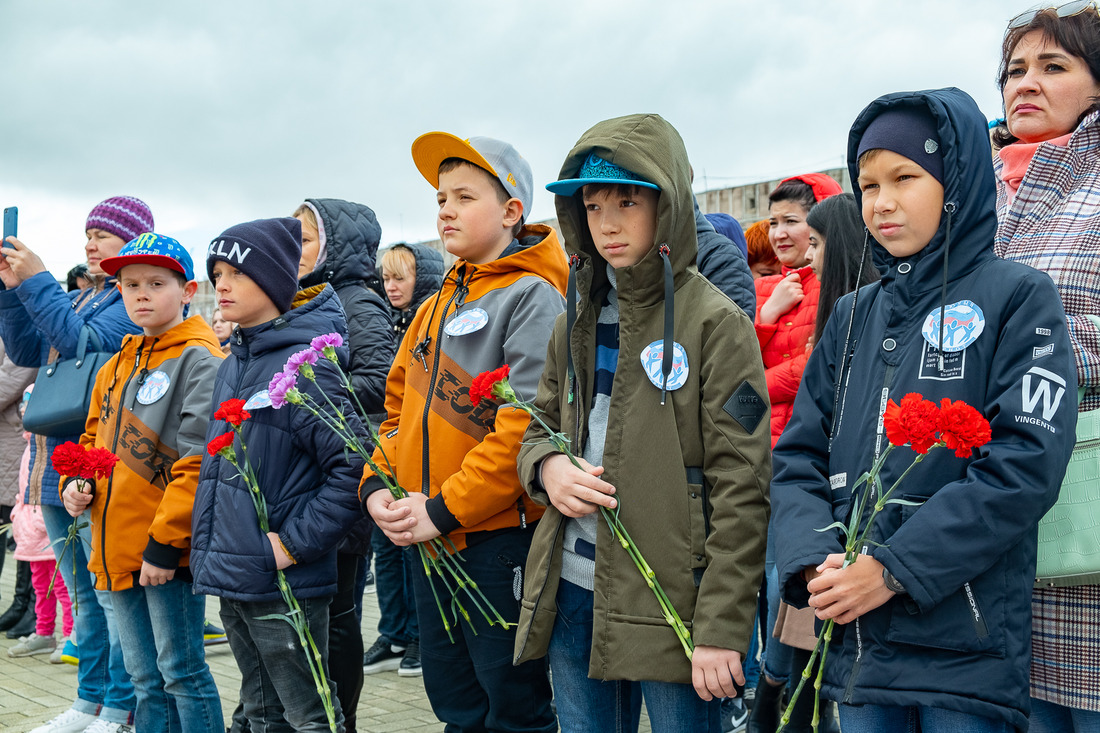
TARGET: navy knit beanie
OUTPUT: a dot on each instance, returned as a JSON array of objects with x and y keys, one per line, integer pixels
[
  {"x": 910, "y": 132},
  {"x": 267, "y": 250}
]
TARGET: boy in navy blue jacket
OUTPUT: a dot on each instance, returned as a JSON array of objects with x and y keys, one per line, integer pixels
[
  {"x": 935, "y": 615},
  {"x": 308, "y": 479}
]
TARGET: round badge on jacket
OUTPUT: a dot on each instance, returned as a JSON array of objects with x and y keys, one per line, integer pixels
[
  {"x": 467, "y": 322},
  {"x": 258, "y": 400},
  {"x": 963, "y": 323},
  {"x": 652, "y": 358},
  {"x": 155, "y": 386}
]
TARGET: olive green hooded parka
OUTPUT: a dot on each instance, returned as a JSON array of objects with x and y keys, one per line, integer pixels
[{"x": 691, "y": 468}]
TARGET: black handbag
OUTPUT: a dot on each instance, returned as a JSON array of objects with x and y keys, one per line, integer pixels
[{"x": 63, "y": 390}]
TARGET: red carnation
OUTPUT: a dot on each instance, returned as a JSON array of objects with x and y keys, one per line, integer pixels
[
  {"x": 100, "y": 462},
  {"x": 68, "y": 459},
  {"x": 482, "y": 387},
  {"x": 962, "y": 428},
  {"x": 220, "y": 443},
  {"x": 233, "y": 412},
  {"x": 914, "y": 421}
]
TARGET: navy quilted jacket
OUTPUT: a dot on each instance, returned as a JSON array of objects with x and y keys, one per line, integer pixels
[{"x": 309, "y": 481}]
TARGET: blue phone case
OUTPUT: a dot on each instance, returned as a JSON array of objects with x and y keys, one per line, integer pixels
[{"x": 11, "y": 224}]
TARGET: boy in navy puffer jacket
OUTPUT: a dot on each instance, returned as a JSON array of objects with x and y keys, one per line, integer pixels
[
  {"x": 936, "y": 613},
  {"x": 308, "y": 479}
]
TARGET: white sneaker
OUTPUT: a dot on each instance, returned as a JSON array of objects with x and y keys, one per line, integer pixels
[
  {"x": 70, "y": 721},
  {"x": 105, "y": 726},
  {"x": 33, "y": 644}
]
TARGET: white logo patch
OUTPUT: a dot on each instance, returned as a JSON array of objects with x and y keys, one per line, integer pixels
[
  {"x": 1040, "y": 351},
  {"x": 259, "y": 400},
  {"x": 469, "y": 321},
  {"x": 1042, "y": 331},
  {"x": 155, "y": 386},
  {"x": 652, "y": 358},
  {"x": 963, "y": 323},
  {"x": 838, "y": 481},
  {"x": 1040, "y": 385}
]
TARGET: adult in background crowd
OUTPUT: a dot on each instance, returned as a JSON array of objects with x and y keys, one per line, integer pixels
[
  {"x": 223, "y": 329},
  {"x": 339, "y": 244},
  {"x": 40, "y": 323},
  {"x": 762, "y": 259},
  {"x": 1048, "y": 206},
  {"x": 410, "y": 273},
  {"x": 19, "y": 618}
]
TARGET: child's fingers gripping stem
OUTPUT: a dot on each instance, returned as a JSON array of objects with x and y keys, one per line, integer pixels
[{"x": 574, "y": 492}]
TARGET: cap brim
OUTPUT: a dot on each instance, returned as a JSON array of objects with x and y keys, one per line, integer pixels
[
  {"x": 112, "y": 265},
  {"x": 432, "y": 148},
  {"x": 569, "y": 186}
]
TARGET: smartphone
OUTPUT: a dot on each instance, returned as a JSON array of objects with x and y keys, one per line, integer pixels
[{"x": 11, "y": 224}]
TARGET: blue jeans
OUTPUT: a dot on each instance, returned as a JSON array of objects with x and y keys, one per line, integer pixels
[
  {"x": 161, "y": 632},
  {"x": 900, "y": 719},
  {"x": 277, "y": 686},
  {"x": 1047, "y": 717},
  {"x": 103, "y": 685},
  {"x": 592, "y": 706},
  {"x": 777, "y": 655},
  {"x": 393, "y": 584},
  {"x": 471, "y": 683}
]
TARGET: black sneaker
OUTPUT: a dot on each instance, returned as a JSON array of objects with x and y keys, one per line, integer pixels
[
  {"x": 410, "y": 664},
  {"x": 370, "y": 587},
  {"x": 382, "y": 657},
  {"x": 735, "y": 715}
]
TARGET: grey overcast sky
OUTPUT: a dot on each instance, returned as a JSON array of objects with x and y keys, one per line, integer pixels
[{"x": 220, "y": 112}]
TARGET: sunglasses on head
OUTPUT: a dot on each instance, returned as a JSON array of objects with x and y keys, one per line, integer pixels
[{"x": 1062, "y": 11}]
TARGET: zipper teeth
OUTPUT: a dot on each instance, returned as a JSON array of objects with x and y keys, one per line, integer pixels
[
  {"x": 425, "y": 482},
  {"x": 114, "y": 449}
]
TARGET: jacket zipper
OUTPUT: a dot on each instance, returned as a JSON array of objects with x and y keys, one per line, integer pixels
[
  {"x": 887, "y": 378},
  {"x": 114, "y": 449},
  {"x": 425, "y": 482}
]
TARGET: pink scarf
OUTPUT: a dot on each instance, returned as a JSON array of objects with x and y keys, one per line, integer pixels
[{"x": 1017, "y": 157}]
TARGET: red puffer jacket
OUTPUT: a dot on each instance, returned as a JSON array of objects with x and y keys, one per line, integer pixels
[{"x": 783, "y": 343}]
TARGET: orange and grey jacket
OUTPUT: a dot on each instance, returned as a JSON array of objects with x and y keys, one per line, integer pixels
[
  {"x": 460, "y": 454},
  {"x": 150, "y": 407}
]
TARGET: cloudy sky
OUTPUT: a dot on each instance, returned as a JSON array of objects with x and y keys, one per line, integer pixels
[{"x": 220, "y": 112}]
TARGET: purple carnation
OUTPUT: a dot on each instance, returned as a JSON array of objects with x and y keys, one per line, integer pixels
[
  {"x": 296, "y": 360},
  {"x": 280, "y": 384},
  {"x": 333, "y": 340}
]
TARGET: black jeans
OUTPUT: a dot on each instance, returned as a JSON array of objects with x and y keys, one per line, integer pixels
[
  {"x": 345, "y": 640},
  {"x": 471, "y": 683}
]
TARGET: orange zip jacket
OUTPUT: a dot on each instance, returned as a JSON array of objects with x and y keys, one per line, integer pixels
[
  {"x": 463, "y": 455},
  {"x": 150, "y": 407}
]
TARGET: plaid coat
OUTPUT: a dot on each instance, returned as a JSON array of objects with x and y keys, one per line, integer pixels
[{"x": 1053, "y": 224}]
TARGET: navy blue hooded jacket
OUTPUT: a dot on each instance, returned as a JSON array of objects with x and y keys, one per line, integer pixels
[
  {"x": 960, "y": 637},
  {"x": 720, "y": 261},
  {"x": 309, "y": 481}
]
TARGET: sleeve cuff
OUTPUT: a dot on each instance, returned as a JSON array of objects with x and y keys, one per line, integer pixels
[
  {"x": 440, "y": 515},
  {"x": 370, "y": 485},
  {"x": 165, "y": 557}
]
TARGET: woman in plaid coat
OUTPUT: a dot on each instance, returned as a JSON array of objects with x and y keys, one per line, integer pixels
[{"x": 1048, "y": 175}]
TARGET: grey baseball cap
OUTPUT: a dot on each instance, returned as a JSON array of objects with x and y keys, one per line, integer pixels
[{"x": 495, "y": 156}]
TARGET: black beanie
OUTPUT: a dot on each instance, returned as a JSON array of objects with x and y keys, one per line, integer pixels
[
  {"x": 267, "y": 250},
  {"x": 910, "y": 132}
]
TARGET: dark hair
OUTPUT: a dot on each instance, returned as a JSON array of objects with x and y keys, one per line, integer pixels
[
  {"x": 623, "y": 190},
  {"x": 449, "y": 164},
  {"x": 794, "y": 190},
  {"x": 80, "y": 270},
  {"x": 1078, "y": 34},
  {"x": 837, "y": 218}
]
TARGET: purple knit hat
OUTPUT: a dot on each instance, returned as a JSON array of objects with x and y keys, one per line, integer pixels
[{"x": 124, "y": 216}]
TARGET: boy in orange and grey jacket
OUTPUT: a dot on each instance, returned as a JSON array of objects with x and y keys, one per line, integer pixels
[
  {"x": 457, "y": 458},
  {"x": 150, "y": 407}
]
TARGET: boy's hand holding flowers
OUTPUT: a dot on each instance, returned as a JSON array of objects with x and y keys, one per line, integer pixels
[
  {"x": 405, "y": 521},
  {"x": 574, "y": 492}
]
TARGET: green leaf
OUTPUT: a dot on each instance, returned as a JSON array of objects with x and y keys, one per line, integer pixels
[
  {"x": 835, "y": 525},
  {"x": 904, "y": 502}
]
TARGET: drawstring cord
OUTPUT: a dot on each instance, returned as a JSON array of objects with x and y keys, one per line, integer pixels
[
  {"x": 949, "y": 209},
  {"x": 666, "y": 357},
  {"x": 570, "y": 320},
  {"x": 421, "y": 348}
]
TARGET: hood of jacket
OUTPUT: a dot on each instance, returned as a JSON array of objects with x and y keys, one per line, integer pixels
[
  {"x": 429, "y": 274},
  {"x": 193, "y": 331},
  {"x": 968, "y": 222},
  {"x": 352, "y": 234},
  {"x": 647, "y": 145},
  {"x": 313, "y": 314}
]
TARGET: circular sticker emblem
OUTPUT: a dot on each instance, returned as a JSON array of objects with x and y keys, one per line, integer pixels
[
  {"x": 467, "y": 322},
  {"x": 963, "y": 323},
  {"x": 653, "y": 356},
  {"x": 156, "y": 384},
  {"x": 258, "y": 400}
]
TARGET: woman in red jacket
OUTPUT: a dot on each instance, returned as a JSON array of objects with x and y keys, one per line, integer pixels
[{"x": 786, "y": 303}]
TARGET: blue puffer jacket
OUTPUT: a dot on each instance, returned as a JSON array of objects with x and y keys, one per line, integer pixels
[
  {"x": 39, "y": 315},
  {"x": 960, "y": 637},
  {"x": 309, "y": 482}
]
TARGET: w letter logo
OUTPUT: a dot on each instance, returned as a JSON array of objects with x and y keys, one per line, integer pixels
[{"x": 1039, "y": 384}]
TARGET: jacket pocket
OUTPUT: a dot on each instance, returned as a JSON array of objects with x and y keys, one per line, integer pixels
[{"x": 698, "y": 520}]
